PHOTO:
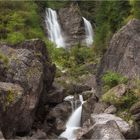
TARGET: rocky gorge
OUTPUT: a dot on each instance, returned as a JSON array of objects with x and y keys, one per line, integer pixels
[{"x": 43, "y": 99}]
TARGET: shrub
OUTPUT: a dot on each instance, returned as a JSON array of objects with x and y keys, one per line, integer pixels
[
  {"x": 112, "y": 79},
  {"x": 56, "y": 4},
  {"x": 135, "y": 8},
  {"x": 15, "y": 37},
  {"x": 4, "y": 59},
  {"x": 19, "y": 21},
  {"x": 109, "y": 17},
  {"x": 124, "y": 101}
]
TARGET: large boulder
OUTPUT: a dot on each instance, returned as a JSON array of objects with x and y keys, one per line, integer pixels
[
  {"x": 72, "y": 24},
  {"x": 26, "y": 73},
  {"x": 103, "y": 118},
  {"x": 57, "y": 118},
  {"x": 116, "y": 95},
  {"x": 108, "y": 131},
  {"x": 88, "y": 108},
  {"x": 56, "y": 94},
  {"x": 135, "y": 111},
  {"x": 123, "y": 54}
]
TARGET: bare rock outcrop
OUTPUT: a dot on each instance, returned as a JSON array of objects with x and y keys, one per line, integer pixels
[
  {"x": 123, "y": 54},
  {"x": 72, "y": 24},
  {"x": 27, "y": 74}
]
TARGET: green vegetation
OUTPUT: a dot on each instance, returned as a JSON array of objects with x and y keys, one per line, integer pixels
[
  {"x": 109, "y": 18},
  {"x": 135, "y": 8},
  {"x": 56, "y": 4},
  {"x": 72, "y": 60},
  {"x": 124, "y": 101},
  {"x": 111, "y": 79},
  {"x": 4, "y": 59},
  {"x": 10, "y": 97},
  {"x": 88, "y": 9},
  {"x": 20, "y": 20}
]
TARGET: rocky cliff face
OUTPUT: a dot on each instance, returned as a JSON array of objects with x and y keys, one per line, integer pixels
[
  {"x": 72, "y": 24},
  {"x": 26, "y": 75},
  {"x": 123, "y": 54}
]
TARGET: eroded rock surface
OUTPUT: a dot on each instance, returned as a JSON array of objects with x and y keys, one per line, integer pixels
[
  {"x": 103, "y": 118},
  {"x": 27, "y": 74},
  {"x": 123, "y": 54},
  {"x": 72, "y": 24}
]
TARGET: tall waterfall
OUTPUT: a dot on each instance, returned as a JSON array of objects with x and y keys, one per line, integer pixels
[
  {"x": 89, "y": 32},
  {"x": 53, "y": 27},
  {"x": 73, "y": 123}
]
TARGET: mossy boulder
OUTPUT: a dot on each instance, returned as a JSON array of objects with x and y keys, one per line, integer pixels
[
  {"x": 120, "y": 96},
  {"x": 9, "y": 94},
  {"x": 23, "y": 85},
  {"x": 115, "y": 95}
]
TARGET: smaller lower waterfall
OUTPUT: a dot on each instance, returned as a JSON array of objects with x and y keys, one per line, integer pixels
[
  {"x": 89, "y": 32},
  {"x": 73, "y": 123},
  {"x": 71, "y": 100}
]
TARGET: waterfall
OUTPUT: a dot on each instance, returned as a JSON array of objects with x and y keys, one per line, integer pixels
[
  {"x": 73, "y": 123},
  {"x": 89, "y": 32},
  {"x": 70, "y": 98},
  {"x": 53, "y": 27}
]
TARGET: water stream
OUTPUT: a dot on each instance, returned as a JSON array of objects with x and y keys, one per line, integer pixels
[
  {"x": 89, "y": 32},
  {"x": 53, "y": 28},
  {"x": 73, "y": 123}
]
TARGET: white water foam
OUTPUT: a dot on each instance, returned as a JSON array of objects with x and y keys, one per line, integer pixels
[
  {"x": 73, "y": 123},
  {"x": 89, "y": 32},
  {"x": 53, "y": 28}
]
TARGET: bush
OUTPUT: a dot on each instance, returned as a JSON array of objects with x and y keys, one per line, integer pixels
[
  {"x": 109, "y": 18},
  {"x": 112, "y": 79},
  {"x": 4, "y": 59},
  {"x": 124, "y": 101},
  {"x": 135, "y": 8},
  {"x": 19, "y": 21},
  {"x": 15, "y": 37},
  {"x": 56, "y": 4},
  {"x": 82, "y": 54}
]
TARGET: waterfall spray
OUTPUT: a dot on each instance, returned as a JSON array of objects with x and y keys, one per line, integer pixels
[
  {"x": 89, "y": 32},
  {"x": 73, "y": 123},
  {"x": 53, "y": 28}
]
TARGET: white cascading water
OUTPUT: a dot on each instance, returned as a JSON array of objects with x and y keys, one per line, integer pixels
[
  {"x": 70, "y": 98},
  {"x": 73, "y": 123},
  {"x": 53, "y": 27},
  {"x": 89, "y": 32}
]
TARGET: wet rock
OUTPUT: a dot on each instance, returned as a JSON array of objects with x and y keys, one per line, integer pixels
[
  {"x": 88, "y": 108},
  {"x": 77, "y": 88},
  {"x": 55, "y": 95},
  {"x": 28, "y": 74},
  {"x": 87, "y": 94},
  {"x": 122, "y": 55},
  {"x": 57, "y": 118},
  {"x": 86, "y": 131}
]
